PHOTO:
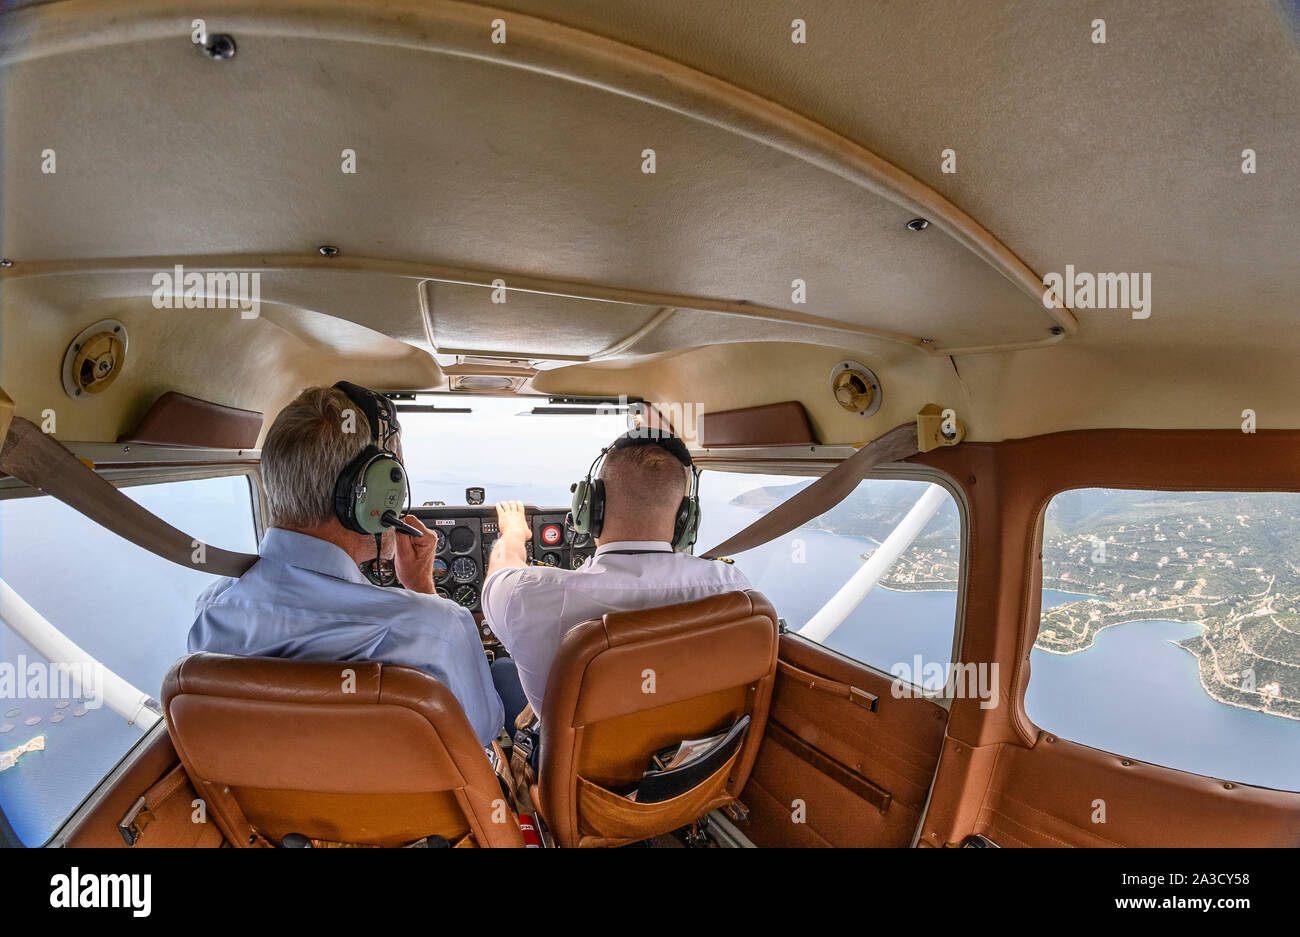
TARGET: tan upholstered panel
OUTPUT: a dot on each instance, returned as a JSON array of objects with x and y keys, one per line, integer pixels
[
  {"x": 711, "y": 660},
  {"x": 352, "y": 752}
]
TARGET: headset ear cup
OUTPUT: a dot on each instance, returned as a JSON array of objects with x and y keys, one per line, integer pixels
[
  {"x": 688, "y": 522},
  {"x": 597, "y": 522},
  {"x": 588, "y": 507},
  {"x": 387, "y": 490},
  {"x": 579, "y": 508},
  {"x": 344, "y": 503}
]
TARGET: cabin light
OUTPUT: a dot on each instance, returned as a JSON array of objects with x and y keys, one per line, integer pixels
[
  {"x": 918, "y": 224},
  {"x": 484, "y": 382},
  {"x": 6, "y": 262},
  {"x": 328, "y": 250}
]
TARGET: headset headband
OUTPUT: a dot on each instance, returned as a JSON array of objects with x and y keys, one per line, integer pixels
[
  {"x": 665, "y": 441},
  {"x": 379, "y": 412}
]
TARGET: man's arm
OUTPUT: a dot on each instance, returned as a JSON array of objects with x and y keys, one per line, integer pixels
[{"x": 510, "y": 552}]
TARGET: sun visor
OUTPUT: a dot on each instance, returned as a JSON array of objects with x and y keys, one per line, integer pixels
[
  {"x": 772, "y": 424},
  {"x": 178, "y": 420}
]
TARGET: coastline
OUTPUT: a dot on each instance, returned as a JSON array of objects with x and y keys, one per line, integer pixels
[
  {"x": 1093, "y": 632},
  {"x": 1211, "y": 687},
  {"x": 1202, "y": 665},
  {"x": 894, "y": 587}
]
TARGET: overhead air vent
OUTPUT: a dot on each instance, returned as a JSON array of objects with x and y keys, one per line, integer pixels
[
  {"x": 855, "y": 387},
  {"x": 94, "y": 359}
]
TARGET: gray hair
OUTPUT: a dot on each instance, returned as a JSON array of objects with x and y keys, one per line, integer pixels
[{"x": 306, "y": 449}]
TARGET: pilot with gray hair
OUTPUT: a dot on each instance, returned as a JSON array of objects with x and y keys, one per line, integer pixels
[
  {"x": 306, "y": 596},
  {"x": 643, "y": 511}
]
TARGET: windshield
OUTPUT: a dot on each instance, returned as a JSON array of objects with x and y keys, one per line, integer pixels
[{"x": 501, "y": 446}]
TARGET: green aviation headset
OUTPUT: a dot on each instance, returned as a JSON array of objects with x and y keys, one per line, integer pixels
[
  {"x": 371, "y": 491},
  {"x": 587, "y": 515}
]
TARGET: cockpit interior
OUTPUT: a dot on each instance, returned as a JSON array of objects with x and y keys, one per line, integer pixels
[{"x": 975, "y": 322}]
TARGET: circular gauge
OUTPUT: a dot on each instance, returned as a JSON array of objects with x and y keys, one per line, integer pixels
[
  {"x": 577, "y": 559},
  {"x": 462, "y": 540},
  {"x": 442, "y": 540},
  {"x": 381, "y": 573},
  {"x": 551, "y": 559},
  {"x": 439, "y": 569},
  {"x": 466, "y": 596},
  {"x": 443, "y": 593},
  {"x": 486, "y": 632},
  {"x": 576, "y": 539},
  {"x": 552, "y": 534},
  {"x": 464, "y": 569}
]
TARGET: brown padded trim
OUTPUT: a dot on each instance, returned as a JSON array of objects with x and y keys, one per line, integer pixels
[
  {"x": 998, "y": 770},
  {"x": 772, "y": 424},
  {"x": 896, "y": 748},
  {"x": 872, "y": 793},
  {"x": 173, "y": 828},
  {"x": 178, "y": 420},
  {"x": 1045, "y": 797}
]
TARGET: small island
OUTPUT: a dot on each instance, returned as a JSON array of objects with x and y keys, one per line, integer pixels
[{"x": 10, "y": 758}]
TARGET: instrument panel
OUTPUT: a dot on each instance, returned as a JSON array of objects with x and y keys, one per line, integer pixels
[{"x": 466, "y": 534}]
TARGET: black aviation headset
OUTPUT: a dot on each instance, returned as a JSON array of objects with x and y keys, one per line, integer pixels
[
  {"x": 371, "y": 491},
  {"x": 588, "y": 510}
]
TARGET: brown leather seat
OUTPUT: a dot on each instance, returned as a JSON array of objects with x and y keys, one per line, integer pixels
[
  {"x": 711, "y": 661},
  {"x": 358, "y": 753}
]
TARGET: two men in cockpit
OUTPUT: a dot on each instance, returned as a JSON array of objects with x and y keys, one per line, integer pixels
[{"x": 306, "y": 597}]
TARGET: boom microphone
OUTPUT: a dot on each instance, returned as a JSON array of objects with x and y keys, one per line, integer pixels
[{"x": 390, "y": 519}]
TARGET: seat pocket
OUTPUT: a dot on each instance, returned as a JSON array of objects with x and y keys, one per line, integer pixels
[{"x": 603, "y": 813}]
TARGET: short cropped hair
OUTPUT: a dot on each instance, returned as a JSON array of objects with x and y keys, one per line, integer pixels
[
  {"x": 306, "y": 449},
  {"x": 641, "y": 480}
]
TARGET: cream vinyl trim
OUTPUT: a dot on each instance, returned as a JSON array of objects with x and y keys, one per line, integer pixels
[{"x": 537, "y": 45}]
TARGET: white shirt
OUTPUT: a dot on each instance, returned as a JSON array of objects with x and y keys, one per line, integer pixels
[{"x": 531, "y": 607}]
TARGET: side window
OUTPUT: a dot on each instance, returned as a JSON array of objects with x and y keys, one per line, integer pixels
[
  {"x": 125, "y": 607},
  {"x": 1170, "y": 630},
  {"x": 836, "y": 579}
]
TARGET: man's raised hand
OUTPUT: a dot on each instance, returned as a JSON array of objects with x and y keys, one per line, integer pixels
[
  {"x": 414, "y": 558},
  {"x": 512, "y": 521}
]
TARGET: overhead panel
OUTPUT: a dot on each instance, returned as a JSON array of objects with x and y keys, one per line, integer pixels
[{"x": 415, "y": 141}]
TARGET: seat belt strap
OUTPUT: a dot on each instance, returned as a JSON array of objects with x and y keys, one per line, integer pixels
[
  {"x": 824, "y": 493},
  {"x": 43, "y": 462}
]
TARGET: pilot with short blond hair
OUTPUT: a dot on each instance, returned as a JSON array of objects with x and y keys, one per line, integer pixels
[{"x": 647, "y": 478}]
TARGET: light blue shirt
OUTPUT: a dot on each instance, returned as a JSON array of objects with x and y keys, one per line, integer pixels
[{"x": 306, "y": 599}]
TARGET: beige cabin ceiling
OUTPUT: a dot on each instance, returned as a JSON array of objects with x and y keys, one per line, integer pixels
[{"x": 774, "y": 161}]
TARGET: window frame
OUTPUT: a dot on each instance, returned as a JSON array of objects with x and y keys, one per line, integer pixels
[
  {"x": 812, "y": 461},
  {"x": 196, "y": 467}
]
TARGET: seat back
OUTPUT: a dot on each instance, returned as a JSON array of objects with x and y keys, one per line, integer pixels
[
  {"x": 355, "y": 753},
  {"x": 632, "y": 683}
]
